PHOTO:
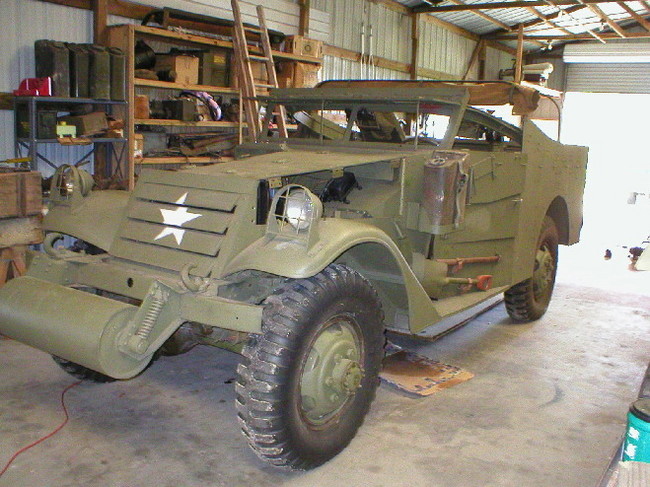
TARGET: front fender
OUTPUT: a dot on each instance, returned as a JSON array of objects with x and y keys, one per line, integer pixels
[
  {"x": 294, "y": 259},
  {"x": 95, "y": 219}
]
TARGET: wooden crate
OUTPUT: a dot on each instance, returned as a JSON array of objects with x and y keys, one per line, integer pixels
[{"x": 20, "y": 194}]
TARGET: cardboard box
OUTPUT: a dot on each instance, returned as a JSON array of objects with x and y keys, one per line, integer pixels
[
  {"x": 186, "y": 67},
  {"x": 141, "y": 107},
  {"x": 20, "y": 194},
  {"x": 304, "y": 46},
  {"x": 298, "y": 75}
]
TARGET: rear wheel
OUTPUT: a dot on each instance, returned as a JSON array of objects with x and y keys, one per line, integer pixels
[
  {"x": 529, "y": 300},
  {"x": 306, "y": 383},
  {"x": 81, "y": 372}
]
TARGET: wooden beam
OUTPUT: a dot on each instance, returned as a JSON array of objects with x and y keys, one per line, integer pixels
[
  {"x": 640, "y": 20},
  {"x": 303, "y": 24},
  {"x": 381, "y": 62},
  {"x": 342, "y": 53},
  {"x": 393, "y": 5},
  {"x": 553, "y": 16},
  {"x": 100, "y": 20},
  {"x": 504, "y": 4},
  {"x": 545, "y": 19},
  {"x": 613, "y": 25},
  {"x": 415, "y": 45},
  {"x": 484, "y": 16},
  {"x": 520, "y": 55},
  {"x": 481, "y": 61},
  {"x": 473, "y": 58},
  {"x": 450, "y": 27}
]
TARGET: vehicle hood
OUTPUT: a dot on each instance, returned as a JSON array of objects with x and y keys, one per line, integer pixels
[{"x": 297, "y": 161}]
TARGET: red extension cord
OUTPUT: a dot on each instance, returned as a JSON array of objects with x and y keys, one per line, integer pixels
[{"x": 58, "y": 428}]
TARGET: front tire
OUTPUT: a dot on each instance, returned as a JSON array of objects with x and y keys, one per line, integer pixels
[
  {"x": 306, "y": 383},
  {"x": 529, "y": 299}
]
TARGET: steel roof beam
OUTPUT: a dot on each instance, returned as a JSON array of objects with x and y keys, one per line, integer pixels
[
  {"x": 573, "y": 37},
  {"x": 501, "y": 5}
]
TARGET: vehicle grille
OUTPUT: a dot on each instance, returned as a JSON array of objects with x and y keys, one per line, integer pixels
[{"x": 169, "y": 226}]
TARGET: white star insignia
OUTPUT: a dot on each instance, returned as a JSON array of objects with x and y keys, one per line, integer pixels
[{"x": 176, "y": 218}]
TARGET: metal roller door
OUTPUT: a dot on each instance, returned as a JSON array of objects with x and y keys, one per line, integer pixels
[{"x": 633, "y": 78}]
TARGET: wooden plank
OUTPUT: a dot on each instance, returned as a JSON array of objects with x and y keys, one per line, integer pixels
[
  {"x": 180, "y": 86},
  {"x": 519, "y": 60},
  {"x": 613, "y": 25},
  {"x": 450, "y": 27},
  {"x": 392, "y": 5},
  {"x": 303, "y": 23},
  {"x": 546, "y": 20},
  {"x": 381, "y": 62},
  {"x": 641, "y": 21},
  {"x": 100, "y": 18},
  {"x": 433, "y": 74},
  {"x": 473, "y": 58},
  {"x": 180, "y": 123},
  {"x": 123, "y": 36},
  {"x": 415, "y": 45},
  {"x": 178, "y": 160},
  {"x": 20, "y": 231}
]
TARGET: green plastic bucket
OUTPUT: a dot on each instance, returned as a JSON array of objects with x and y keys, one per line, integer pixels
[{"x": 637, "y": 438}]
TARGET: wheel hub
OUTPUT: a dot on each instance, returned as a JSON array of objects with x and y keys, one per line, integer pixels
[
  {"x": 544, "y": 270},
  {"x": 332, "y": 372}
]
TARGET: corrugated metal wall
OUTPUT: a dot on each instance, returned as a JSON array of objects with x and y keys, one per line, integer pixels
[
  {"x": 440, "y": 49},
  {"x": 21, "y": 23},
  {"x": 444, "y": 51},
  {"x": 496, "y": 60}
]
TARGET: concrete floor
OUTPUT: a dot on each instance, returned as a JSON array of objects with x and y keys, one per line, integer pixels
[{"x": 546, "y": 408}]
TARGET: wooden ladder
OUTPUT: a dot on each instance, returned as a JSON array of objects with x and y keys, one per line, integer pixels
[{"x": 243, "y": 59}]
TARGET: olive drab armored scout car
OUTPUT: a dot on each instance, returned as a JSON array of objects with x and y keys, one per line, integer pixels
[{"x": 393, "y": 206}]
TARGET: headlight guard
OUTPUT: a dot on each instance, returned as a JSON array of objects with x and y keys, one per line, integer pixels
[{"x": 294, "y": 212}]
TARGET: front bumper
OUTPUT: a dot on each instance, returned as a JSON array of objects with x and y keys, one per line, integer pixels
[{"x": 51, "y": 309}]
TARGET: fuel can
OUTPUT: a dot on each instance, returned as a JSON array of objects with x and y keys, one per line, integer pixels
[{"x": 637, "y": 437}]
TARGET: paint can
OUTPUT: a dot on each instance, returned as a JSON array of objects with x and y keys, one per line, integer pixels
[{"x": 637, "y": 437}]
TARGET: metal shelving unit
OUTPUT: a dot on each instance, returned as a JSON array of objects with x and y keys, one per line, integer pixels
[{"x": 115, "y": 147}]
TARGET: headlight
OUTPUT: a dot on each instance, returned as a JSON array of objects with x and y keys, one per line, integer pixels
[
  {"x": 299, "y": 209},
  {"x": 294, "y": 207}
]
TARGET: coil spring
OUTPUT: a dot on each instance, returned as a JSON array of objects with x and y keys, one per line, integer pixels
[{"x": 149, "y": 320}]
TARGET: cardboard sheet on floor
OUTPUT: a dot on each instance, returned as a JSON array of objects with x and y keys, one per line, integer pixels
[{"x": 416, "y": 374}]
